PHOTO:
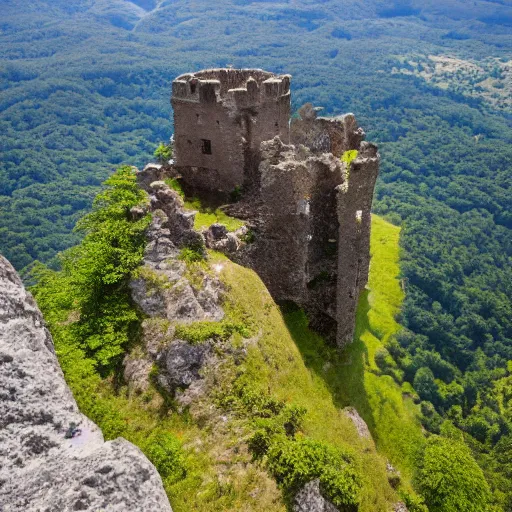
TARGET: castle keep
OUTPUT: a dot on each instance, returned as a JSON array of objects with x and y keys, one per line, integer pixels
[
  {"x": 307, "y": 187},
  {"x": 221, "y": 117}
]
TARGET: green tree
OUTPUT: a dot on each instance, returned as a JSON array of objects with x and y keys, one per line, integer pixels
[
  {"x": 98, "y": 270},
  {"x": 425, "y": 385},
  {"x": 449, "y": 478}
]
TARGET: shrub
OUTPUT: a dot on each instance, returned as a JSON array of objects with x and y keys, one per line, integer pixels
[
  {"x": 165, "y": 453},
  {"x": 449, "y": 478},
  {"x": 191, "y": 254},
  {"x": 163, "y": 153},
  {"x": 348, "y": 157},
  {"x": 175, "y": 185},
  {"x": 413, "y": 502},
  {"x": 430, "y": 418},
  {"x": 236, "y": 194},
  {"x": 286, "y": 420},
  {"x": 249, "y": 237},
  {"x": 295, "y": 462}
]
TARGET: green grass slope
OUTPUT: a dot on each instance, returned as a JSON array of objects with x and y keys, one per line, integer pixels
[
  {"x": 213, "y": 470},
  {"x": 352, "y": 376},
  {"x": 293, "y": 364}
]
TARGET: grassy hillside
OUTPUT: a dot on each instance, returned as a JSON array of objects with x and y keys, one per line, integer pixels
[
  {"x": 286, "y": 362},
  {"x": 352, "y": 376}
]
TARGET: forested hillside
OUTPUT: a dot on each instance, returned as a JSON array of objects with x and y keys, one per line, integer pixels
[{"x": 86, "y": 84}]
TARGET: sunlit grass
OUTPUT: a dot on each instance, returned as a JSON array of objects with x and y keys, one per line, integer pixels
[
  {"x": 392, "y": 418},
  {"x": 289, "y": 362},
  {"x": 294, "y": 364},
  {"x": 205, "y": 216}
]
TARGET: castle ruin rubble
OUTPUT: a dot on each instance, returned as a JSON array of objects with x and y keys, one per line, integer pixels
[{"x": 307, "y": 205}]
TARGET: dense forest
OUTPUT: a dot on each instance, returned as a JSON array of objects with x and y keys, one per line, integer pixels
[{"x": 86, "y": 84}]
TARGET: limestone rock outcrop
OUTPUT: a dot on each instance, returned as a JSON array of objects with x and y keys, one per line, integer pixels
[
  {"x": 182, "y": 362},
  {"x": 309, "y": 499},
  {"x": 162, "y": 288},
  {"x": 40, "y": 469},
  {"x": 359, "y": 423}
]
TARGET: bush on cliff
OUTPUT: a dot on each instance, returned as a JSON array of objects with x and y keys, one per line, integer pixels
[
  {"x": 291, "y": 458},
  {"x": 163, "y": 153},
  {"x": 296, "y": 461},
  {"x": 98, "y": 270},
  {"x": 450, "y": 479},
  {"x": 165, "y": 452}
]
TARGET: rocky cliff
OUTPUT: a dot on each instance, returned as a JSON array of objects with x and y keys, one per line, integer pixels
[{"x": 42, "y": 468}]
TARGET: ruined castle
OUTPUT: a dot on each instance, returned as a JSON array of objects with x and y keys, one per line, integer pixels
[{"x": 307, "y": 185}]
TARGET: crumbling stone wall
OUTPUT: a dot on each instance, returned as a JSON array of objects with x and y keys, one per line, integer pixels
[
  {"x": 354, "y": 202},
  {"x": 296, "y": 228},
  {"x": 220, "y": 118},
  {"x": 325, "y": 134},
  {"x": 309, "y": 211}
]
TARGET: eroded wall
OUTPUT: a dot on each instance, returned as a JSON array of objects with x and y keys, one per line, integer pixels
[
  {"x": 354, "y": 202},
  {"x": 311, "y": 218}
]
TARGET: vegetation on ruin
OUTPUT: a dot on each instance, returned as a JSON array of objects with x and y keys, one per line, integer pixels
[
  {"x": 163, "y": 153},
  {"x": 206, "y": 215},
  {"x": 348, "y": 157}
]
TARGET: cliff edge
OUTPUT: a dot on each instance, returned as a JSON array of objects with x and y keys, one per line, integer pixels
[{"x": 52, "y": 457}]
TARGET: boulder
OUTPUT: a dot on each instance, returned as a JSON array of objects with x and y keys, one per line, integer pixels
[
  {"x": 41, "y": 468},
  {"x": 218, "y": 238},
  {"x": 359, "y": 423},
  {"x": 182, "y": 362},
  {"x": 309, "y": 499}
]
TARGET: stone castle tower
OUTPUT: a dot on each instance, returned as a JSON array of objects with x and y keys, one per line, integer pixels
[
  {"x": 307, "y": 187},
  {"x": 221, "y": 116}
]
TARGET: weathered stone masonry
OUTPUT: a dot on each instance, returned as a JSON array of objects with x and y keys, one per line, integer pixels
[
  {"x": 309, "y": 210},
  {"x": 221, "y": 117}
]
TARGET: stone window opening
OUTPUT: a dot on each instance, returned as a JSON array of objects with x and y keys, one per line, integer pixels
[
  {"x": 206, "y": 146},
  {"x": 193, "y": 87}
]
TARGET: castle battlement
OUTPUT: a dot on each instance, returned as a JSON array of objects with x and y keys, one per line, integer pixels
[
  {"x": 221, "y": 116},
  {"x": 231, "y": 86}
]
